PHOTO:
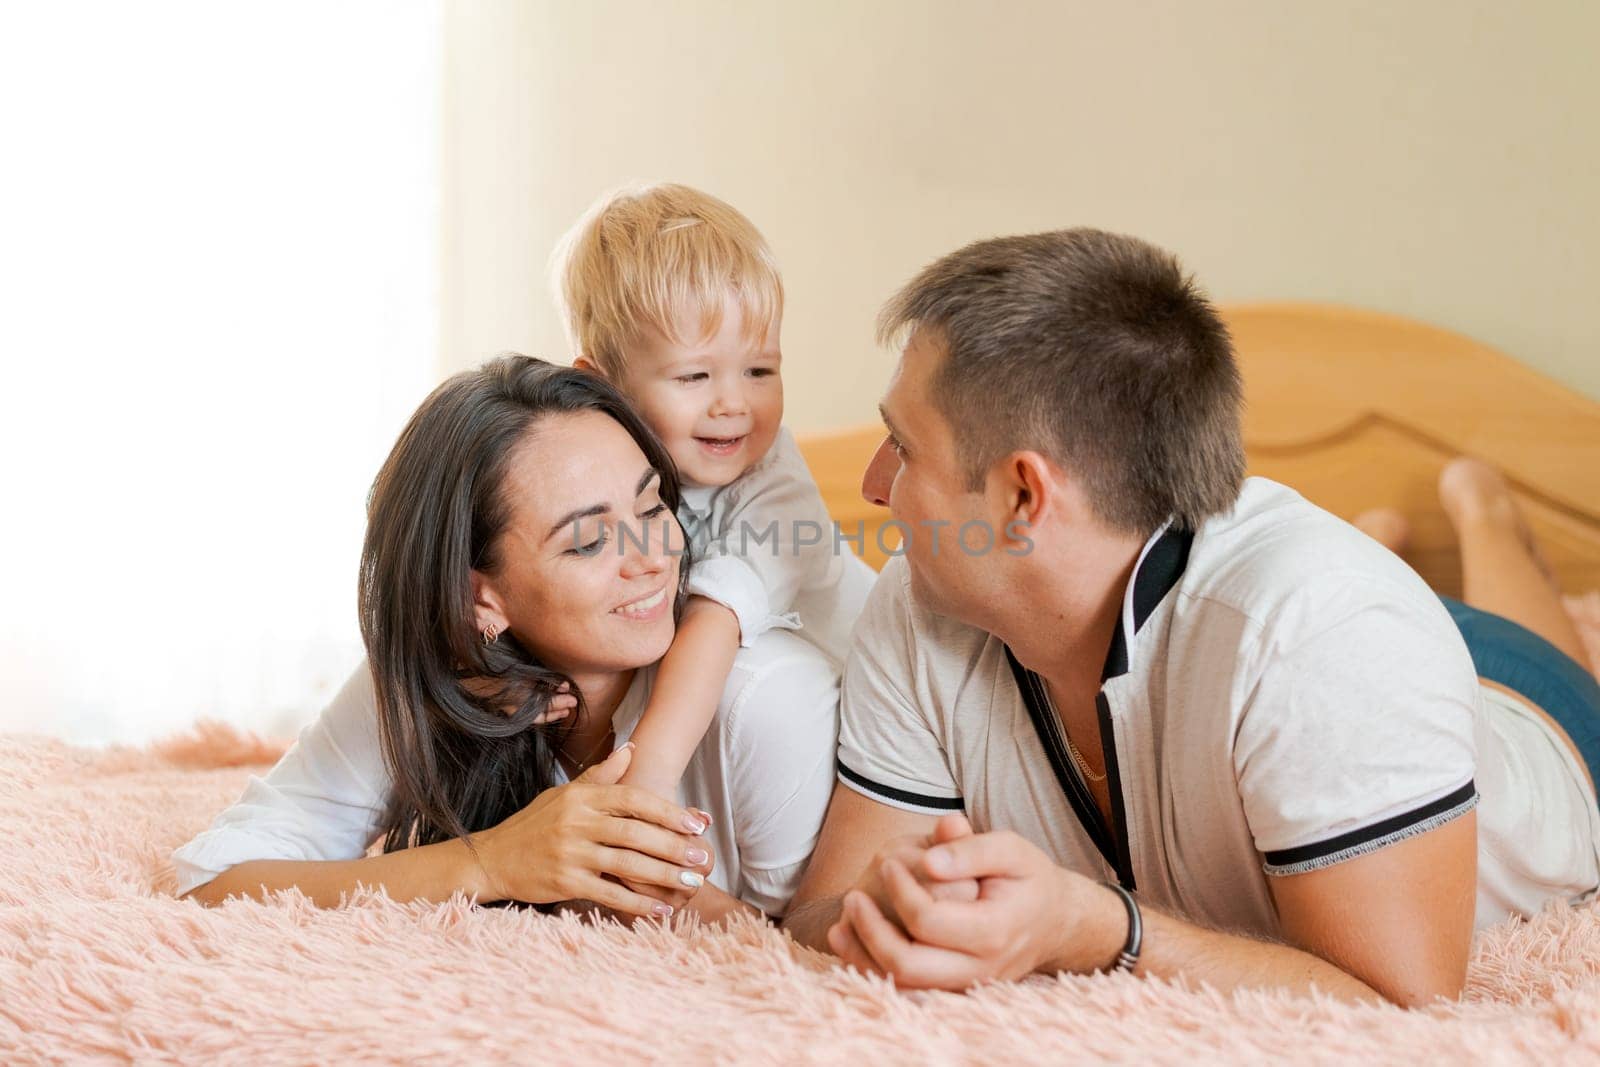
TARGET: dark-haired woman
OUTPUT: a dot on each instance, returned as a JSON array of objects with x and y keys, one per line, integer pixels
[{"x": 521, "y": 557}]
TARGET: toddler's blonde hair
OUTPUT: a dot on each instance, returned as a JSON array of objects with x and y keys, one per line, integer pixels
[{"x": 645, "y": 257}]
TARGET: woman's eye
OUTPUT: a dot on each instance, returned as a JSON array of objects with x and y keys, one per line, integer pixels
[
  {"x": 653, "y": 512},
  {"x": 590, "y": 549},
  {"x": 897, "y": 448}
]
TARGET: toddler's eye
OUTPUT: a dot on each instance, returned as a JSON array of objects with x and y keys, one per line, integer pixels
[
  {"x": 690, "y": 379},
  {"x": 762, "y": 372}
]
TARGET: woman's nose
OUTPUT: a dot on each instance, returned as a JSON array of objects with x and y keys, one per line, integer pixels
[
  {"x": 879, "y": 478},
  {"x": 649, "y": 545}
]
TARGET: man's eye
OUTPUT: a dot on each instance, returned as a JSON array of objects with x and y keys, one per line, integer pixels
[
  {"x": 690, "y": 379},
  {"x": 896, "y": 447}
]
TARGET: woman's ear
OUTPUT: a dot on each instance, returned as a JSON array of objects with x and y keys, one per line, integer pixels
[
  {"x": 487, "y": 607},
  {"x": 587, "y": 364}
]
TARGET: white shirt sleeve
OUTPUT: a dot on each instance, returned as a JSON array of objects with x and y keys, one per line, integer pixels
[
  {"x": 889, "y": 746},
  {"x": 322, "y": 801},
  {"x": 779, "y": 733},
  {"x": 1360, "y": 732},
  {"x": 769, "y": 536}
]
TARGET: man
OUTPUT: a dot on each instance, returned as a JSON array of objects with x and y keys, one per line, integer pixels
[{"x": 1201, "y": 727}]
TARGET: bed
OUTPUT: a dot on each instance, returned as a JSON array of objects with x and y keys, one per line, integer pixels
[
  {"x": 1357, "y": 409},
  {"x": 99, "y": 964}
]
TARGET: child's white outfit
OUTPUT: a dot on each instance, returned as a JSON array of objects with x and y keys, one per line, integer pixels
[{"x": 765, "y": 548}]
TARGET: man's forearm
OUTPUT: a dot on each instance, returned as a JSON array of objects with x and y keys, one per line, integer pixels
[
  {"x": 808, "y": 924},
  {"x": 713, "y": 905},
  {"x": 1174, "y": 948}
]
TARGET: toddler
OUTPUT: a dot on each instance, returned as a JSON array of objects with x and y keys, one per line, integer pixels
[{"x": 675, "y": 298}]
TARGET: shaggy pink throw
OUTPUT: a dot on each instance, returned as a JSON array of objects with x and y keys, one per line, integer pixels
[{"x": 98, "y": 963}]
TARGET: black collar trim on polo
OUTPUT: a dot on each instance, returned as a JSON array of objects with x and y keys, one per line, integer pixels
[{"x": 1157, "y": 575}]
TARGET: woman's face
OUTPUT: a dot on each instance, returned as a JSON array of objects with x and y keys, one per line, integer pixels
[{"x": 587, "y": 573}]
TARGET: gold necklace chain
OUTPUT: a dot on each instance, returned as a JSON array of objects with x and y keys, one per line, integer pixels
[
  {"x": 1072, "y": 749},
  {"x": 1077, "y": 757},
  {"x": 589, "y": 760}
]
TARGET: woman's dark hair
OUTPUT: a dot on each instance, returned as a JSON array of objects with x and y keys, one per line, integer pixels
[{"x": 456, "y": 716}]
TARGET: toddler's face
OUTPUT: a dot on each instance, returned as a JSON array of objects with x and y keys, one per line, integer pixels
[{"x": 716, "y": 405}]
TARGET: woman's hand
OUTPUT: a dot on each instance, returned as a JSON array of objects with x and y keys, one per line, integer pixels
[{"x": 579, "y": 841}]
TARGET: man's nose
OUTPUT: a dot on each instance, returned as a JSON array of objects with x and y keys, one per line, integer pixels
[{"x": 878, "y": 479}]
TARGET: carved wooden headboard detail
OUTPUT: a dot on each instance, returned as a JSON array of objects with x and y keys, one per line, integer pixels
[{"x": 1357, "y": 409}]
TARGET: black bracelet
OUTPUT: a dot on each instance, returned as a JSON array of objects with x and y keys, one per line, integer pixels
[{"x": 1128, "y": 958}]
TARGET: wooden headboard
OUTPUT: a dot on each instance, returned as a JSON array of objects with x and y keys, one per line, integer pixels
[{"x": 1357, "y": 409}]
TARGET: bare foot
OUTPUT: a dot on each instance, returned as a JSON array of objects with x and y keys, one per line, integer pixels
[
  {"x": 1386, "y": 526},
  {"x": 1585, "y": 614},
  {"x": 1474, "y": 492}
]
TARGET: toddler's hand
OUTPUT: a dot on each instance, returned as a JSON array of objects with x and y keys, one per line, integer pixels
[{"x": 564, "y": 703}]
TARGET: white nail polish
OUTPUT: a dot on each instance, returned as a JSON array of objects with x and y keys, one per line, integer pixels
[{"x": 691, "y": 879}]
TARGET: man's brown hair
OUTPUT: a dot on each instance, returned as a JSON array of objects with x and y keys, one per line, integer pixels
[{"x": 1094, "y": 349}]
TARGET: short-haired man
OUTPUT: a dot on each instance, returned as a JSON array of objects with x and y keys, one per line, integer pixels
[{"x": 1201, "y": 727}]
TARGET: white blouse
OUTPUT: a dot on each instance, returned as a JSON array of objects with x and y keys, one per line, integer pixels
[{"x": 764, "y": 772}]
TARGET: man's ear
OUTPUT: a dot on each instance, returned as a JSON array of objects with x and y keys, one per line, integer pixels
[
  {"x": 1029, "y": 493},
  {"x": 1028, "y": 488},
  {"x": 487, "y": 607}
]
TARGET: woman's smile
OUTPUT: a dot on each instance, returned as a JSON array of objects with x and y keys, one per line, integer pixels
[{"x": 645, "y": 608}]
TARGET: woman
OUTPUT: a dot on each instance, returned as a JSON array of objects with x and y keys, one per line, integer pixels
[{"x": 521, "y": 549}]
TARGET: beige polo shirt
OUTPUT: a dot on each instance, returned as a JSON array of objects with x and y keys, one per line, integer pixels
[{"x": 1281, "y": 694}]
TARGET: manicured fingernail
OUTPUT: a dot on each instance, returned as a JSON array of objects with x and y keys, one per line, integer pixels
[
  {"x": 661, "y": 911},
  {"x": 691, "y": 879},
  {"x": 706, "y": 815},
  {"x": 696, "y": 856},
  {"x": 693, "y": 825},
  {"x": 627, "y": 744}
]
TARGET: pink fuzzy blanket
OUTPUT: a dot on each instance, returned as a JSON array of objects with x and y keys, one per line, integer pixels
[{"x": 98, "y": 963}]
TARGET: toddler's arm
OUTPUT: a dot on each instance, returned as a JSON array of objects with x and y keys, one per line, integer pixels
[{"x": 688, "y": 688}]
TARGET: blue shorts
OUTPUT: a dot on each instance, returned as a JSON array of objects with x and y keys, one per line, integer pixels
[{"x": 1532, "y": 667}]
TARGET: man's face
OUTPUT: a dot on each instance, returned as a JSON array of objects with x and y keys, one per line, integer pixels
[{"x": 916, "y": 475}]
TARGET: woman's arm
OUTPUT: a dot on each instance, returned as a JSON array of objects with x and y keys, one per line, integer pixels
[
  {"x": 308, "y": 822},
  {"x": 571, "y": 842},
  {"x": 432, "y": 873},
  {"x": 322, "y": 801}
]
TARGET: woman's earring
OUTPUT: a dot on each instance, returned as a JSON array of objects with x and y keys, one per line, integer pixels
[{"x": 490, "y": 634}]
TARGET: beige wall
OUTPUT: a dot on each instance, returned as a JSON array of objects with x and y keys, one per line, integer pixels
[{"x": 1435, "y": 158}]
